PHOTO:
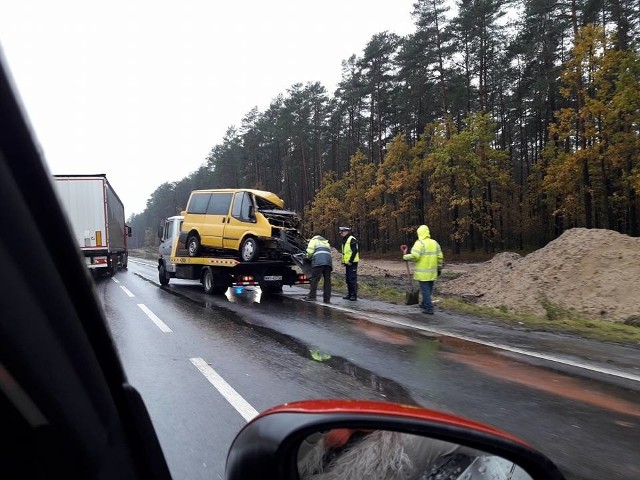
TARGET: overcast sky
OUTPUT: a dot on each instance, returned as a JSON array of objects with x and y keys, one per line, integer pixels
[{"x": 142, "y": 89}]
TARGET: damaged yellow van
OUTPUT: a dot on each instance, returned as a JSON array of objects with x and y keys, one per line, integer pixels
[{"x": 249, "y": 224}]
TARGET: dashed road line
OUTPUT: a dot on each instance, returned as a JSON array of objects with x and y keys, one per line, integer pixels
[
  {"x": 159, "y": 323},
  {"x": 127, "y": 291},
  {"x": 234, "y": 398}
]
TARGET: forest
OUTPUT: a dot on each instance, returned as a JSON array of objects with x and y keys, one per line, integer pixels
[{"x": 499, "y": 124}]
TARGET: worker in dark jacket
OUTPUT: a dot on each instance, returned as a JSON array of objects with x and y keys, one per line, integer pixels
[
  {"x": 350, "y": 259},
  {"x": 319, "y": 252}
]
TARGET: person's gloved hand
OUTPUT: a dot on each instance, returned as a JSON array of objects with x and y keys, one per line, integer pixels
[
  {"x": 439, "y": 271},
  {"x": 404, "y": 249}
]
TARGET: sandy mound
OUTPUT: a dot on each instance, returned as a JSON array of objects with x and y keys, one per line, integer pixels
[{"x": 593, "y": 272}]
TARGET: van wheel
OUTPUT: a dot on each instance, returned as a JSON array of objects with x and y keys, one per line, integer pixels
[
  {"x": 162, "y": 275},
  {"x": 249, "y": 250},
  {"x": 193, "y": 245},
  {"x": 207, "y": 281}
]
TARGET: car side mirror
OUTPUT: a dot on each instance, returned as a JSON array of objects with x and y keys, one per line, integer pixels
[
  {"x": 363, "y": 439},
  {"x": 160, "y": 232},
  {"x": 129, "y": 234}
]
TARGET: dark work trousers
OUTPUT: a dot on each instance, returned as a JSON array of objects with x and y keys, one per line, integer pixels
[
  {"x": 317, "y": 272},
  {"x": 351, "y": 277}
]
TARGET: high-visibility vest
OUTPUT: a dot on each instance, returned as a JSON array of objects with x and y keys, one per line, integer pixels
[
  {"x": 319, "y": 251},
  {"x": 347, "y": 252},
  {"x": 427, "y": 254}
]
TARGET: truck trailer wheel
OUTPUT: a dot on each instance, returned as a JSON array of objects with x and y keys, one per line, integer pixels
[
  {"x": 207, "y": 281},
  {"x": 162, "y": 275},
  {"x": 249, "y": 250},
  {"x": 193, "y": 245},
  {"x": 111, "y": 267}
]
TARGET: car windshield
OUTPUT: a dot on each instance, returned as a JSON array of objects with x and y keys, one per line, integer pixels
[{"x": 459, "y": 226}]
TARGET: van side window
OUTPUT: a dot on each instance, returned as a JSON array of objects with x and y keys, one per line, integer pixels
[
  {"x": 198, "y": 203},
  {"x": 242, "y": 204},
  {"x": 219, "y": 204}
]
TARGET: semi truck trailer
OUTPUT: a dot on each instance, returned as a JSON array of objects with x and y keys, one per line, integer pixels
[{"x": 96, "y": 216}]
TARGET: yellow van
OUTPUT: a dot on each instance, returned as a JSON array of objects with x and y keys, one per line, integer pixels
[{"x": 250, "y": 224}]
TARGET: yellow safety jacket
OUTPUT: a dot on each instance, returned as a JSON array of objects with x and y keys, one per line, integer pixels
[
  {"x": 347, "y": 252},
  {"x": 427, "y": 255},
  {"x": 319, "y": 251}
]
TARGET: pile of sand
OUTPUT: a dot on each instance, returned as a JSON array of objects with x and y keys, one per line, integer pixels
[{"x": 593, "y": 272}]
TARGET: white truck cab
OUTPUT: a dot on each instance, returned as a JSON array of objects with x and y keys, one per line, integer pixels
[{"x": 169, "y": 231}]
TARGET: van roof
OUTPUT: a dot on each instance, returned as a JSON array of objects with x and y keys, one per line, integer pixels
[{"x": 271, "y": 197}]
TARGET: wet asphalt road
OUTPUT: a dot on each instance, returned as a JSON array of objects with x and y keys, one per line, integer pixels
[{"x": 283, "y": 349}]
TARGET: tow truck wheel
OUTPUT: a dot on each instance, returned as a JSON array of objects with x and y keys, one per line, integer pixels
[
  {"x": 272, "y": 289},
  {"x": 207, "y": 281},
  {"x": 193, "y": 245},
  {"x": 162, "y": 274},
  {"x": 249, "y": 250}
]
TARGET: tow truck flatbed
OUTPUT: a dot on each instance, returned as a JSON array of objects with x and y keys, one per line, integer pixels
[{"x": 219, "y": 273}]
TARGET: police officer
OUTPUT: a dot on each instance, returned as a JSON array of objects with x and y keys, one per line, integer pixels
[
  {"x": 319, "y": 252},
  {"x": 350, "y": 259}
]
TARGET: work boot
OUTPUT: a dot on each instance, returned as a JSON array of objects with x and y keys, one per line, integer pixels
[
  {"x": 428, "y": 312},
  {"x": 309, "y": 298},
  {"x": 353, "y": 298},
  {"x": 346, "y": 297}
]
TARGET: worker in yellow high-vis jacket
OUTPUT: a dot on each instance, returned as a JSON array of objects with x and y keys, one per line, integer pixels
[
  {"x": 319, "y": 252},
  {"x": 350, "y": 259},
  {"x": 428, "y": 257}
]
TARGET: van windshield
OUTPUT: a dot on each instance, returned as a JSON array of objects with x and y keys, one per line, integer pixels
[{"x": 264, "y": 204}]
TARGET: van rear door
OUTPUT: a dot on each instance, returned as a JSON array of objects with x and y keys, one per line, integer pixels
[{"x": 195, "y": 214}]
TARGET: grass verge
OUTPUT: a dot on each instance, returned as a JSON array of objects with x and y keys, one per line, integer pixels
[{"x": 557, "y": 320}]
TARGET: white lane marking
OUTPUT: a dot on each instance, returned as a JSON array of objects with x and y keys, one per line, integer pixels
[
  {"x": 127, "y": 291},
  {"x": 234, "y": 398},
  {"x": 115, "y": 279},
  {"x": 161, "y": 325},
  {"x": 520, "y": 351}
]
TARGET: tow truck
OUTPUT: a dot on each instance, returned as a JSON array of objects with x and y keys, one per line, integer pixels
[{"x": 218, "y": 273}]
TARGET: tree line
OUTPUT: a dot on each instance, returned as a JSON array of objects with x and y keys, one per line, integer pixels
[{"x": 498, "y": 131}]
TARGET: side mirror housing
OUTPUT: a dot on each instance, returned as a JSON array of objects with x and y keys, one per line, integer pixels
[{"x": 364, "y": 439}]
